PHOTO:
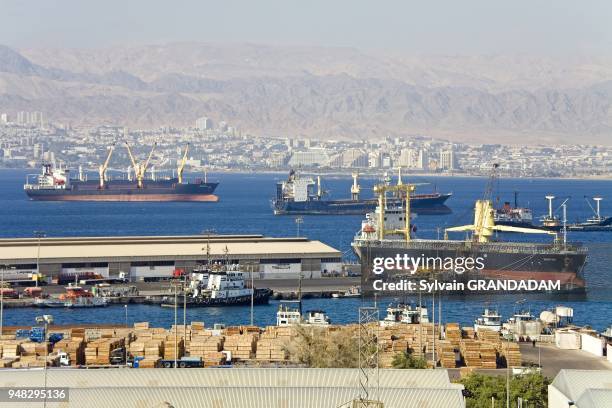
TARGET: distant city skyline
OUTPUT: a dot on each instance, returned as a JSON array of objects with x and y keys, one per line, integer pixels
[{"x": 549, "y": 27}]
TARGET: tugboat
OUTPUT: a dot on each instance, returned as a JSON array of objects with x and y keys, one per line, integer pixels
[
  {"x": 352, "y": 292},
  {"x": 223, "y": 287},
  {"x": 405, "y": 313},
  {"x": 489, "y": 320}
]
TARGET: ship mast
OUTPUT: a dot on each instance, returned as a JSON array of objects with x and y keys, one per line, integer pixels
[
  {"x": 355, "y": 188},
  {"x": 182, "y": 165},
  {"x": 103, "y": 167}
]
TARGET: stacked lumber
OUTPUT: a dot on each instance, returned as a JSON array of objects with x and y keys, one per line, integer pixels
[
  {"x": 98, "y": 351},
  {"x": 214, "y": 359},
  {"x": 149, "y": 362},
  {"x": 153, "y": 349},
  {"x": 488, "y": 355},
  {"x": 469, "y": 333},
  {"x": 453, "y": 334},
  {"x": 10, "y": 349},
  {"x": 446, "y": 354},
  {"x": 74, "y": 347},
  {"x": 512, "y": 354},
  {"x": 173, "y": 349},
  {"x": 271, "y": 349},
  {"x": 470, "y": 351},
  {"x": 489, "y": 335},
  {"x": 7, "y": 362},
  {"x": 242, "y": 346},
  {"x": 197, "y": 326},
  {"x": 30, "y": 348},
  {"x": 136, "y": 348},
  {"x": 206, "y": 345},
  {"x": 141, "y": 326},
  {"x": 232, "y": 331},
  {"x": 385, "y": 358}
]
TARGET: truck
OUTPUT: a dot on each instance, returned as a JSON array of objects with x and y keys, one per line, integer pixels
[{"x": 183, "y": 362}]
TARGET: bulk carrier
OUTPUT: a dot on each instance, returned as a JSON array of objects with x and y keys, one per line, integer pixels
[
  {"x": 518, "y": 261},
  {"x": 55, "y": 184},
  {"x": 296, "y": 196}
]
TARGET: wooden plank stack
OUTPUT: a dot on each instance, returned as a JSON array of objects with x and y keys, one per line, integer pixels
[
  {"x": 74, "y": 347},
  {"x": 512, "y": 354},
  {"x": 173, "y": 349},
  {"x": 446, "y": 354},
  {"x": 488, "y": 355},
  {"x": 470, "y": 351},
  {"x": 271, "y": 349},
  {"x": 242, "y": 346}
]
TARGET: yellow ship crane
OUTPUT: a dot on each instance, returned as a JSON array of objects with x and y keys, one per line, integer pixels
[
  {"x": 484, "y": 224},
  {"x": 181, "y": 166},
  {"x": 402, "y": 190},
  {"x": 140, "y": 168},
  {"x": 104, "y": 166}
]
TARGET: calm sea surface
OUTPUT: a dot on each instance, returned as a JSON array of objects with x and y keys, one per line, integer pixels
[{"x": 244, "y": 207}]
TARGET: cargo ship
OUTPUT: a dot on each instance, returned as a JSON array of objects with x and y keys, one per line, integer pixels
[
  {"x": 55, "y": 184},
  {"x": 499, "y": 261},
  {"x": 514, "y": 215},
  {"x": 297, "y": 196}
]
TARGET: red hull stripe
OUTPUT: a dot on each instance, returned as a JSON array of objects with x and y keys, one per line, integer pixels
[{"x": 130, "y": 197}]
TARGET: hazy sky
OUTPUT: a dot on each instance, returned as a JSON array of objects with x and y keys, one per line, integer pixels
[{"x": 421, "y": 26}]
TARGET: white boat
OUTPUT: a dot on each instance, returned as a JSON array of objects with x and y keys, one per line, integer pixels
[
  {"x": 405, "y": 313},
  {"x": 289, "y": 315},
  {"x": 490, "y": 320},
  {"x": 352, "y": 292}
]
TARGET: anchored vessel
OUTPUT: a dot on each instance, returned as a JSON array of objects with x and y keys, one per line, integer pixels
[
  {"x": 224, "y": 287},
  {"x": 489, "y": 320},
  {"x": 55, "y": 184},
  {"x": 514, "y": 215},
  {"x": 297, "y": 195},
  {"x": 517, "y": 261}
]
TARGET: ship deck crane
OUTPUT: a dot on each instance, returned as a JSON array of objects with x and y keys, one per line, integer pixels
[
  {"x": 104, "y": 166},
  {"x": 381, "y": 190},
  {"x": 140, "y": 168},
  {"x": 181, "y": 166}
]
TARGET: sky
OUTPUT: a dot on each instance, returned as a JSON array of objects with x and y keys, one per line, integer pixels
[{"x": 418, "y": 26}]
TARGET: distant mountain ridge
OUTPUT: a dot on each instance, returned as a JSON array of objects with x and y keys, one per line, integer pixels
[{"x": 316, "y": 92}]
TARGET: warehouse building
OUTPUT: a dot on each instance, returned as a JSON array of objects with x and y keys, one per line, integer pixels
[
  {"x": 581, "y": 389},
  {"x": 141, "y": 258},
  {"x": 240, "y": 387}
]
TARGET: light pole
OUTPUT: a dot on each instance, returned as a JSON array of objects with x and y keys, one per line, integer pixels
[
  {"x": 252, "y": 292},
  {"x": 46, "y": 320},
  {"x": 126, "y": 315},
  {"x": 185, "y": 308},
  {"x": 4, "y": 269},
  {"x": 298, "y": 222},
  {"x": 39, "y": 235},
  {"x": 175, "y": 325}
]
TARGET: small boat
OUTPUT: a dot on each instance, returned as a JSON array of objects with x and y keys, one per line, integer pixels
[
  {"x": 405, "y": 313},
  {"x": 289, "y": 314},
  {"x": 352, "y": 292},
  {"x": 489, "y": 320},
  {"x": 75, "y": 297}
]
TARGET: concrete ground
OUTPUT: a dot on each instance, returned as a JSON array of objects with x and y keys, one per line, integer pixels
[{"x": 554, "y": 359}]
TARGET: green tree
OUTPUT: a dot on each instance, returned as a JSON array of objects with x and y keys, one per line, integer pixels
[
  {"x": 407, "y": 360},
  {"x": 480, "y": 388}
]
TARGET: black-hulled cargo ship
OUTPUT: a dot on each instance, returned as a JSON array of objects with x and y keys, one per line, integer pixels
[
  {"x": 501, "y": 261},
  {"x": 55, "y": 184},
  {"x": 296, "y": 196}
]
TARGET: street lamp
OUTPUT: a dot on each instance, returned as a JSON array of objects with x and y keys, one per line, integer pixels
[
  {"x": 46, "y": 320},
  {"x": 39, "y": 235}
]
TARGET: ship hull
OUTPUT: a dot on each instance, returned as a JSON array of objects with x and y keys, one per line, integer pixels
[
  {"x": 425, "y": 204},
  {"x": 262, "y": 296},
  {"x": 501, "y": 262},
  {"x": 127, "y": 191}
]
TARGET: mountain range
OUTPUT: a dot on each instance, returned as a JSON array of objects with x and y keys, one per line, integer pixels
[{"x": 317, "y": 92}]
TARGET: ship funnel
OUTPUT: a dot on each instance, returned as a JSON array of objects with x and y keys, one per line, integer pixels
[
  {"x": 355, "y": 188},
  {"x": 550, "y": 199}
]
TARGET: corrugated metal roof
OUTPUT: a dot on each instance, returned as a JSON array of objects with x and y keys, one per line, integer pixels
[
  {"x": 234, "y": 377},
  {"x": 595, "y": 398},
  {"x": 238, "y": 387},
  {"x": 573, "y": 383},
  {"x": 281, "y": 397},
  {"x": 173, "y": 247}
]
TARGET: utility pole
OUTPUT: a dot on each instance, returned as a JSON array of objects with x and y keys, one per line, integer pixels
[
  {"x": 175, "y": 325},
  {"x": 252, "y": 293},
  {"x": 39, "y": 235}
]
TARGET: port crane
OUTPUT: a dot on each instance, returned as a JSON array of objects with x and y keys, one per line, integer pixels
[
  {"x": 140, "y": 168},
  {"x": 104, "y": 166},
  {"x": 181, "y": 166}
]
